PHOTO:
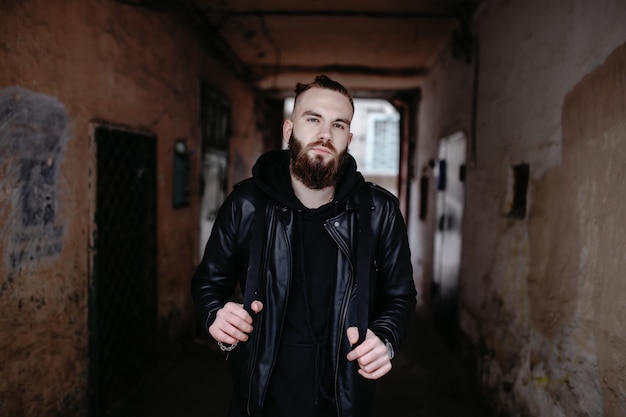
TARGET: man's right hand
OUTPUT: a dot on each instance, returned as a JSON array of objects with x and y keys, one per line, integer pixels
[{"x": 232, "y": 323}]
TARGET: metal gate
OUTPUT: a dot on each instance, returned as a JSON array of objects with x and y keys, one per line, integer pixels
[{"x": 122, "y": 296}]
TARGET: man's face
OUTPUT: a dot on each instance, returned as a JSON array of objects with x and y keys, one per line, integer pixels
[
  {"x": 318, "y": 136},
  {"x": 312, "y": 170}
]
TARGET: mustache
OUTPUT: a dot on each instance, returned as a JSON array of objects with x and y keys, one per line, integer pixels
[{"x": 323, "y": 143}]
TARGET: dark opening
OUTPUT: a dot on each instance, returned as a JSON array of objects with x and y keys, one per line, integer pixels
[
  {"x": 181, "y": 194},
  {"x": 215, "y": 120},
  {"x": 122, "y": 296},
  {"x": 424, "y": 180},
  {"x": 442, "y": 177},
  {"x": 521, "y": 174}
]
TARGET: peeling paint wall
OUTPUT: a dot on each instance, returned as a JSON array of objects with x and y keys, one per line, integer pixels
[
  {"x": 584, "y": 200},
  {"x": 34, "y": 130},
  {"x": 66, "y": 64},
  {"x": 39, "y": 310},
  {"x": 542, "y": 297}
]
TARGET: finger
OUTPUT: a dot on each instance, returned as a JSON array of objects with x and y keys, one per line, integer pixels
[
  {"x": 227, "y": 319},
  {"x": 371, "y": 351},
  {"x": 256, "y": 306},
  {"x": 373, "y": 359},
  {"x": 353, "y": 335},
  {"x": 375, "y": 363},
  {"x": 365, "y": 353},
  {"x": 376, "y": 373},
  {"x": 237, "y": 335},
  {"x": 222, "y": 336},
  {"x": 239, "y": 330},
  {"x": 237, "y": 310}
]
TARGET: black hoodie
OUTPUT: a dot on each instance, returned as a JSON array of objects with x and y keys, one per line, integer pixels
[
  {"x": 271, "y": 173},
  {"x": 302, "y": 372}
]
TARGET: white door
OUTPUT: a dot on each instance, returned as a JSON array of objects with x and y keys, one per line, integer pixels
[{"x": 450, "y": 172}]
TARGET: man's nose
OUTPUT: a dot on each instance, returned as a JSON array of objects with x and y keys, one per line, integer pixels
[{"x": 325, "y": 132}]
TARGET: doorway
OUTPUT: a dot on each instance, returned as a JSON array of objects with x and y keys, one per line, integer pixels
[
  {"x": 122, "y": 291},
  {"x": 450, "y": 175},
  {"x": 215, "y": 125}
]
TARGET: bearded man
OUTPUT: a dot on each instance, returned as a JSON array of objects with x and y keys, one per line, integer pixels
[{"x": 323, "y": 259}]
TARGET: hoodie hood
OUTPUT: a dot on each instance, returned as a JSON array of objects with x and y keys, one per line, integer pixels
[{"x": 271, "y": 174}]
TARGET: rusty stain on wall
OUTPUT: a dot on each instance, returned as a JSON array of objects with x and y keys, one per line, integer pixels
[
  {"x": 34, "y": 130},
  {"x": 593, "y": 126}
]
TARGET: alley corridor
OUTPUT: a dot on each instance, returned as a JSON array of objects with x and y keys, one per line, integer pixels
[
  {"x": 124, "y": 125},
  {"x": 426, "y": 381}
]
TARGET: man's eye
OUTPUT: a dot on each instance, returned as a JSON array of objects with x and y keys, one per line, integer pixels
[
  {"x": 339, "y": 126},
  {"x": 312, "y": 119}
]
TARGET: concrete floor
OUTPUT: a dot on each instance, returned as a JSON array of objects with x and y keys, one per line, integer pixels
[{"x": 426, "y": 381}]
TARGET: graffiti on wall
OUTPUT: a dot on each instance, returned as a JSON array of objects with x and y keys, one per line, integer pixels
[{"x": 34, "y": 130}]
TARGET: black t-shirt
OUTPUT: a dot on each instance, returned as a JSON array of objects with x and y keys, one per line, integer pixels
[{"x": 301, "y": 382}]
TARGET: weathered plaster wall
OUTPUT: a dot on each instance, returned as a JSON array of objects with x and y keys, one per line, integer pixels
[
  {"x": 66, "y": 63},
  {"x": 584, "y": 200},
  {"x": 34, "y": 131},
  {"x": 542, "y": 297}
]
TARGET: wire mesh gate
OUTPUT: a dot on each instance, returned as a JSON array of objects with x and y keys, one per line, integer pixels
[{"x": 122, "y": 302}]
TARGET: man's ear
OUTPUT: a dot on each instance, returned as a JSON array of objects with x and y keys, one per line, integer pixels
[
  {"x": 287, "y": 129},
  {"x": 349, "y": 139}
]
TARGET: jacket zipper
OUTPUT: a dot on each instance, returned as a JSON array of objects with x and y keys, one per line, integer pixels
[{"x": 344, "y": 311}]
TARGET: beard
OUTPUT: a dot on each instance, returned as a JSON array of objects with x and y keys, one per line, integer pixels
[{"x": 312, "y": 171}]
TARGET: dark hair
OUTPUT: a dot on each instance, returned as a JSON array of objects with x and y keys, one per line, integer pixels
[{"x": 322, "y": 81}]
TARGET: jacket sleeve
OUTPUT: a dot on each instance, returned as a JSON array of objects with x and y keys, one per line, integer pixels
[
  {"x": 225, "y": 258},
  {"x": 393, "y": 297}
]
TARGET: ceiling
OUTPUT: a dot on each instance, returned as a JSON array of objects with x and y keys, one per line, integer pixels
[{"x": 368, "y": 45}]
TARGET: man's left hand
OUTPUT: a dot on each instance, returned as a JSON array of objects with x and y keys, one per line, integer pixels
[{"x": 371, "y": 355}]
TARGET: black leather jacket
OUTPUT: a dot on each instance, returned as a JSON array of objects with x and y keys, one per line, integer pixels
[{"x": 392, "y": 294}]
